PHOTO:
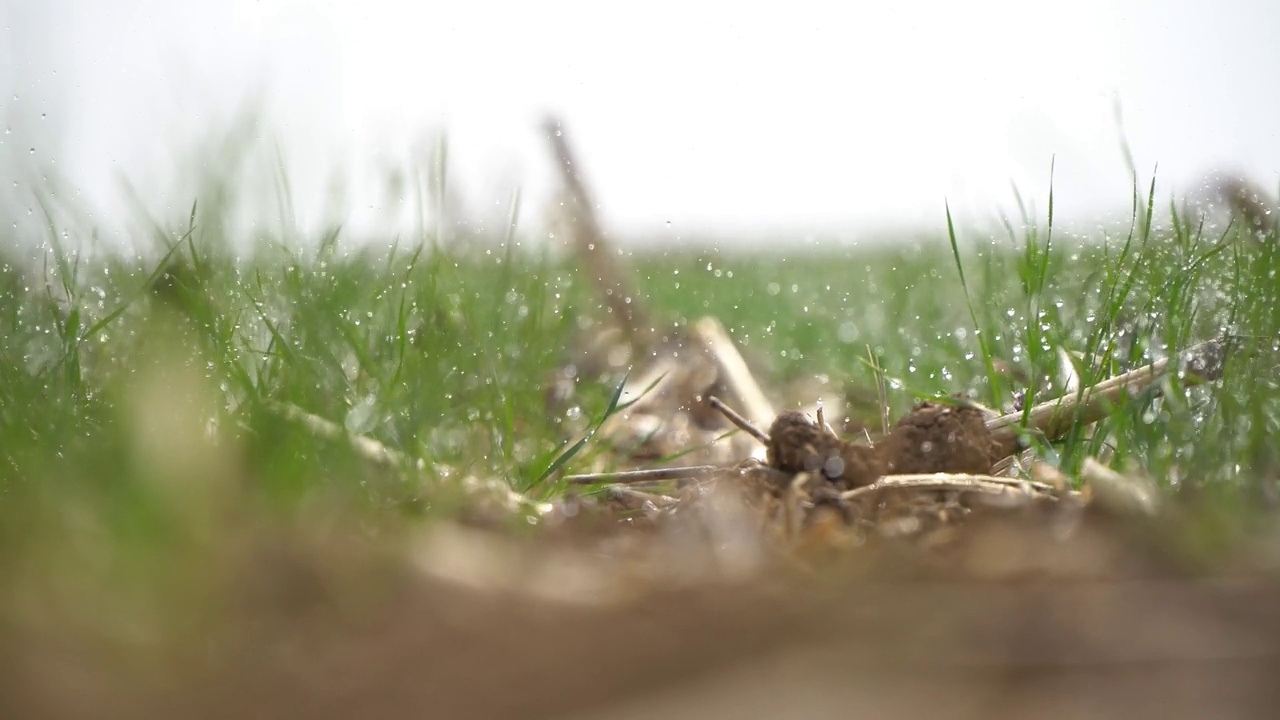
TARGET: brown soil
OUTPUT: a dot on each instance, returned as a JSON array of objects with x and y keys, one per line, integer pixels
[
  {"x": 791, "y": 588},
  {"x": 940, "y": 438},
  {"x": 1017, "y": 624},
  {"x": 934, "y": 438}
]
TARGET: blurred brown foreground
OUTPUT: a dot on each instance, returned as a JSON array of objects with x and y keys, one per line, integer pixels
[{"x": 1011, "y": 621}]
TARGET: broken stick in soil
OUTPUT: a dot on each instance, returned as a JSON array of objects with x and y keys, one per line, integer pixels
[
  {"x": 732, "y": 371},
  {"x": 742, "y": 423},
  {"x": 638, "y": 476},
  {"x": 964, "y": 482},
  {"x": 1053, "y": 418},
  {"x": 378, "y": 454},
  {"x": 590, "y": 245}
]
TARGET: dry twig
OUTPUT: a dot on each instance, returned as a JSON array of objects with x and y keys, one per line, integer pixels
[
  {"x": 962, "y": 482},
  {"x": 637, "y": 476},
  {"x": 738, "y": 420},
  {"x": 1203, "y": 362},
  {"x": 591, "y": 246},
  {"x": 378, "y": 454},
  {"x": 731, "y": 369},
  {"x": 366, "y": 447},
  {"x": 1119, "y": 493}
]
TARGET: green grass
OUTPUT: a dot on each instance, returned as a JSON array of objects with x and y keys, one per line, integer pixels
[
  {"x": 444, "y": 353},
  {"x": 143, "y": 452},
  {"x": 1114, "y": 302}
]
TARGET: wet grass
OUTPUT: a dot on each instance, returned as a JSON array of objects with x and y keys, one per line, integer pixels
[
  {"x": 444, "y": 353},
  {"x": 1090, "y": 306}
]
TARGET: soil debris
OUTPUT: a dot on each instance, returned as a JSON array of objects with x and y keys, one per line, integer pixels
[
  {"x": 937, "y": 437},
  {"x": 934, "y": 438},
  {"x": 797, "y": 444}
]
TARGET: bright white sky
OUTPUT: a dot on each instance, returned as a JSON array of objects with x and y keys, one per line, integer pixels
[{"x": 731, "y": 117}]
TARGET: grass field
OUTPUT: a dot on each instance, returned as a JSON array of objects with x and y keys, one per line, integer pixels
[
  {"x": 443, "y": 353},
  {"x": 141, "y": 421}
]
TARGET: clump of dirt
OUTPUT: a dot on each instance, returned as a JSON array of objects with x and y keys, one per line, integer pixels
[
  {"x": 934, "y": 438},
  {"x": 797, "y": 444},
  {"x": 937, "y": 437}
]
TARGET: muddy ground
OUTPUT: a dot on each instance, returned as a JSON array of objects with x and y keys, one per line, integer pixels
[
  {"x": 1014, "y": 622},
  {"x": 822, "y": 582}
]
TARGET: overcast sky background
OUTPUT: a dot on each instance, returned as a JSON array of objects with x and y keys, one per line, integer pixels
[{"x": 832, "y": 118}]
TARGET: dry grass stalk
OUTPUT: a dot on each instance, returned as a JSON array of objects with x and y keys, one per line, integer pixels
[
  {"x": 1123, "y": 494},
  {"x": 1055, "y": 417},
  {"x": 650, "y": 503},
  {"x": 732, "y": 371},
  {"x": 366, "y": 447},
  {"x": 638, "y": 476},
  {"x": 589, "y": 242},
  {"x": 738, "y": 420},
  {"x": 378, "y": 454},
  {"x": 1015, "y": 465},
  {"x": 680, "y": 382},
  {"x": 961, "y": 482}
]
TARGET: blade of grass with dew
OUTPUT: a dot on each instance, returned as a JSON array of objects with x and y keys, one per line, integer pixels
[
  {"x": 992, "y": 377},
  {"x": 573, "y": 450}
]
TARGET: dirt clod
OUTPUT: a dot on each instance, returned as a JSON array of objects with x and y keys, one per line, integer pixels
[
  {"x": 799, "y": 445},
  {"x": 937, "y": 437},
  {"x": 934, "y": 438}
]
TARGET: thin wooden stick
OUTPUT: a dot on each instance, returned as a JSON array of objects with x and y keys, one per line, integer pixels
[
  {"x": 1120, "y": 493},
  {"x": 601, "y": 265},
  {"x": 732, "y": 369},
  {"x": 738, "y": 420},
  {"x": 366, "y": 447},
  {"x": 822, "y": 421},
  {"x": 1203, "y": 362},
  {"x": 637, "y": 476},
  {"x": 622, "y": 492},
  {"x": 378, "y": 454},
  {"x": 950, "y": 481}
]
